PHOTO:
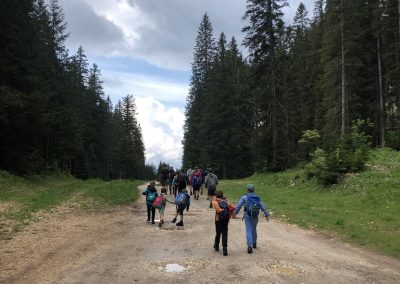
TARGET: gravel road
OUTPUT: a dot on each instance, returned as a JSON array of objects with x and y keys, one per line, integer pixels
[{"x": 120, "y": 247}]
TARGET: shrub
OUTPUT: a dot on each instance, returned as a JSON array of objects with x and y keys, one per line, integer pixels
[{"x": 348, "y": 154}]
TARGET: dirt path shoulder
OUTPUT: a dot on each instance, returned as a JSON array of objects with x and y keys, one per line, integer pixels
[{"x": 118, "y": 246}]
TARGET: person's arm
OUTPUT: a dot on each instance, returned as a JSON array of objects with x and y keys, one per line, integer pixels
[
  {"x": 146, "y": 191},
  {"x": 216, "y": 206},
  {"x": 239, "y": 206},
  {"x": 265, "y": 210}
]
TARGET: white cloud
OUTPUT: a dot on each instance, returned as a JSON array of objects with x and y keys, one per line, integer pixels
[{"x": 162, "y": 129}]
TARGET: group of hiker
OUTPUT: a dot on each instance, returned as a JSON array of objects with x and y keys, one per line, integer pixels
[{"x": 224, "y": 211}]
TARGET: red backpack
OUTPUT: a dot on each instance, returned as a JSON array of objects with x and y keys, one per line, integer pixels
[{"x": 158, "y": 202}]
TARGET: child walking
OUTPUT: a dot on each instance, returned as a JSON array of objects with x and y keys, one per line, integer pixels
[
  {"x": 151, "y": 195},
  {"x": 221, "y": 221},
  {"x": 160, "y": 203},
  {"x": 182, "y": 202}
]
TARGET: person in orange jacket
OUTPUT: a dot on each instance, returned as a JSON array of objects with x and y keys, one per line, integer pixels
[{"x": 222, "y": 216}]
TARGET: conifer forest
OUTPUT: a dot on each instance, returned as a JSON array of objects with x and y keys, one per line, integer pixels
[{"x": 290, "y": 90}]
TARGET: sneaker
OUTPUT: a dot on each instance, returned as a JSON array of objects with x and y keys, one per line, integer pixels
[
  {"x": 180, "y": 224},
  {"x": 173, "y": 220},
  {"x": 225, "y": 251},
  {"x": 216, "y": 247},
  {"x": 254, "y": 246},
  {"x": 249, "y": 250}
]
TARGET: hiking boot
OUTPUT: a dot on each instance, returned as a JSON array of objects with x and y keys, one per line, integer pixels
[
  {"x": 216, "y": 247},
  {"x": 180, "y": 224},
  {"x": 254, "y": 246},
  {"x": 225, "y": 251},
  {"x": 249, "y": 250},
  {"x": 173, "y": 220}
]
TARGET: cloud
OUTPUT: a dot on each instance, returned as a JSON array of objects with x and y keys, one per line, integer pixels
[
  {"x": 162, "y": 130},
  {"x": 90, "y": 30}
]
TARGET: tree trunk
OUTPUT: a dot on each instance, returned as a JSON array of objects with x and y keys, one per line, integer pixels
[
  {"x": 381, "y": 98},
  {"x": 343, "y": 127}
]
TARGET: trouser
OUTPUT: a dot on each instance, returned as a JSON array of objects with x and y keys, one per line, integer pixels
[
  {"x": 251, "y": 229},
  {"x": 221, "y": 228},
  {"x": 151, "y": 209}
]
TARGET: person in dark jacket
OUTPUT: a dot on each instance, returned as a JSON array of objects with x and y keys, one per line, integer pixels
[{"x": 151, "y": 195}]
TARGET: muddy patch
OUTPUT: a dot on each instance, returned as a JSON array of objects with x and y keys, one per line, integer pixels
[
  {"x": 280, "y": 267},
  {"x": 179, "y": 265}
]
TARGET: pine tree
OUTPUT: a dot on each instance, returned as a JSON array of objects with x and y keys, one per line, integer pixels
[
  {"x": 263, "y": 33},
  {"x": 203, "y": 56}
]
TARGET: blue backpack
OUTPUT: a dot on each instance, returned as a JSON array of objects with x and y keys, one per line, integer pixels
[
  {"x": 180, "y": 199},
  {"x": 253, "y": 206},
  {"x": 195, "y": 181},
  {"x": 151, "y": 196}
]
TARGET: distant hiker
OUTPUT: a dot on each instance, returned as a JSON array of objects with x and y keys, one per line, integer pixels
[
  {"x": 211, "y": 185},
  {"x": 252, "y": 205},
  {"x": 164, "y": 175},
  {"x": 151, "y": 195},
  {"x": 196, "y": 182},
  {"x": 222, "y": 216},
  {"x": 182, "y": 180},
  {"x": 204, "y": 173},
  {"x": 189, "y": 179},
  {"x": 171, "y": 179},
  {"x": 175, "y": 183},
  {"x": 160, "y": 203},
  {"x": 182, "y": 202}
]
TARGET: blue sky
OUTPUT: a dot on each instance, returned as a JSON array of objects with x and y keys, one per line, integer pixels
[{"x": 145, "y": 48}]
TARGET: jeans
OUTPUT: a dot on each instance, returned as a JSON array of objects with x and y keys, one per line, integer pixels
[
  {"x": 221, "y": 228},
  {"x": 251, "y": 229}
]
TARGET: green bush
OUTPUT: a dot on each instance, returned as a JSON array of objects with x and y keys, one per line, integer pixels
[{"x": 348, "y": 154}]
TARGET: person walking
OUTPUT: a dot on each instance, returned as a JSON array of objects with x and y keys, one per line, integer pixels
[
  {"x": 151, "y": 195},
  {"x": 252, "y": 206},
  {"x": 222, "y": 216},
  {"x": 182, "y": 202},
  {"x": 196, "y": 182},
  {"x": 211, "y": 185}
]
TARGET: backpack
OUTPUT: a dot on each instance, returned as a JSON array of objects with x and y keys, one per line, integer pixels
[
  {"x": 158, "y": 202},
  {"x": 151, "y": 196},
  {"x": 253, "y": 206},
  {"x": 224, "y": 214},
  {"x": 180, "y": 199},
  {"x": 195, "y": 181},
  {"x": 212, "y": 182}
]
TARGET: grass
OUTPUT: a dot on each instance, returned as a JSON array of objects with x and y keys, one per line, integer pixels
[
  {"x": 21, "y": 198},
  {"x": 364, "y": 208}
]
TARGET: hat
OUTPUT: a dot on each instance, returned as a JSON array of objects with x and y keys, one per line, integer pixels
[{"x": 250, "y": 187}]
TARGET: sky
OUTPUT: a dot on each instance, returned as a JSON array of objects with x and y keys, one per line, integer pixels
[{"x": 145, "y": 48}]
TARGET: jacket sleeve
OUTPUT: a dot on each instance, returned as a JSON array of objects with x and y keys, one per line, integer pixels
[
  {"x": 216, "y": 206},
  {"x": 239, "y": 205},
  {"x": 145, "y": 192},
  {"x": 264, "y": 209}
]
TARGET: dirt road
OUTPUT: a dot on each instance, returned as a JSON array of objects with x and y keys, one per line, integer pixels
[{"x": 120, "y": 247}]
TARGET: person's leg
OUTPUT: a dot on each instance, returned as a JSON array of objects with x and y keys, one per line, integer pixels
[
  {"x": 176, "y": 215},
  {"x": 224, "y": 231},
  {"x": 249, "y": 234},
  {"x": 148, "y": 213},
  {"x": 180, "y": 223},
  {"x": 254, "y": 231},
  {"x": 217, "y": 235},
  {"x": 153, "y": 214}
]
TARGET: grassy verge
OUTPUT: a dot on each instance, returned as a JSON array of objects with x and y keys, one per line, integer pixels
[
  {"x": 21, "y": 198},
  {"x": 364, "y": 208}
]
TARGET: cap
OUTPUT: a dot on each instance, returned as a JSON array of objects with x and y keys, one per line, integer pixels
[{"x": 250, "y": 187}]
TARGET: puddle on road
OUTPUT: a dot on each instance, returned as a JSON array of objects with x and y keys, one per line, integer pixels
[{"x": 174, "y": 267}]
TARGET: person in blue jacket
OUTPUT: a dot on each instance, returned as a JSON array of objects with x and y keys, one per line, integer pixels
[{"x": 252, "y": 205}]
